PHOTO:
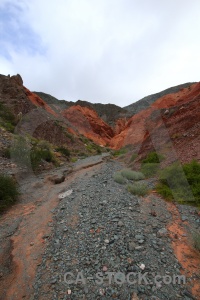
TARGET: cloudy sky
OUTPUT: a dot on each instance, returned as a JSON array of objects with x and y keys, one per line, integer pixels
[{"x": 108, "y": 51}]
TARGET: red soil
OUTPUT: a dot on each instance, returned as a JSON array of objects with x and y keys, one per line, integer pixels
[{"x": 185, "y": 253}]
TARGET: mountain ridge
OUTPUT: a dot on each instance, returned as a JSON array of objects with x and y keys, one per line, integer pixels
[
  {"x": 106, "y": 125},
  {"x": 115, "y": 111},
  {"x": 146, "y": 101}
]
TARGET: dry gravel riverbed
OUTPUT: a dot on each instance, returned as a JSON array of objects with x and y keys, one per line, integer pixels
[{"x": 99, "y": 242}]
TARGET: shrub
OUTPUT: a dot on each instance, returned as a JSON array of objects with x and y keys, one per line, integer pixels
[
  {"x": 43, "y": 144},
  {"x": 8, "y": 126},
  {"x": 83, "y": 139},
  {"x": 8, "y": 191},
  {"x": 7, "y": 118},
  {"x": 64, "y": 151},
  {"x": 149, "y": 169},
  {"x": 153, "y": 157},
  {"x": 196, "y": 240},
  {"x": 37, "y": 155},
  {"x": 174, "y": 179},
  {"x": 20, "y": 151},
  {"x": 133, "y": 157},
  {"x": 26, "y": 155},
  {"x": 150, "y": 165},
  {"x": 164, "y": 190},
  {"x": 83, "y": 154},
  {"x": 132, "y": 175},
  {"x": 120, "y": 152},
  {"x": 73, "y": 159},
  {"x": 99, "y": 150},
  {"x": 6, "y": 152},
  {"x": 119, "y": 178},
  {"x": 91, "y": 147},
  {"x": 139, "y": 189}
]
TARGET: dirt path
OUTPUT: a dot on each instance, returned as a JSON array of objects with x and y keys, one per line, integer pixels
[
  {"x": 188, "y": 257},
  {"x": 28, "y": 224},
  {"x": 32, "y": 238}
]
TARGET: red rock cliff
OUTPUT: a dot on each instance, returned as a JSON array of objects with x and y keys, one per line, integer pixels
[{"x": 89, "y": 124}]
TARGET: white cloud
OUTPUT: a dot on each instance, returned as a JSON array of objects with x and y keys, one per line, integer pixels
[{"x": 114, "y": 51}]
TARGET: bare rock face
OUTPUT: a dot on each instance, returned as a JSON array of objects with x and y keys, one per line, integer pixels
[
  {"x": 18, "y": 79},
  {"x": 181, "y": 123},
  {"x": 89, "y": 124},
  {"x": 109, "y": 125},
  {"x": 13, "y": 95}
]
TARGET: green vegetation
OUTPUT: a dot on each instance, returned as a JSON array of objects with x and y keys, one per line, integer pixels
[
  {"x": 119, "y": 152},
  {"x": 82, "y": 154},
  {"x": 7, "y": 118},
  {"x": 64, "y": 151},
  {"x": 98, "y": 150},
  {"x": 8, "y": 192},
  {"x": 150, "y": 169},
  {"x": 27, "y": 155},
  {"x": 93, "y": 148},
  {"x": 174, "y": 179},
  {"x": 73, "y": 159},
  {"x": 20, "y": 151},
  {"x": 37, "y": 155},
  {"x": 136, "y": 188},
  {"x": 42, "y": 151},
  {"x": 6, "y": 152},
  {"x": 139, "y": 189},
  {"x": 132, "y": 175},
  {"x": 150, "y": 165},
  {"x": 153, "y": 157},
  {"x": 119, "y": 178},
  {"x": 84, "y": 139},
  {"x": 196, "y": 240},
  {"x": 133, "y": 157}
]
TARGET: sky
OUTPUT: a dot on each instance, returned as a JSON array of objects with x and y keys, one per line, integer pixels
[{"x": 102, "y": 51}]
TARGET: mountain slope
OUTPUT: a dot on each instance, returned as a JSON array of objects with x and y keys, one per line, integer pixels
[
  {"x": 148, "y": 100},
  {"x": 106, "y": 124},
  {"x": 110, "y": 113},
  {"x": 171, "y": 121}
]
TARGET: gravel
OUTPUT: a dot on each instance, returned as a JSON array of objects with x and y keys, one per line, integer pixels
[{"x": 101, "y": 227}]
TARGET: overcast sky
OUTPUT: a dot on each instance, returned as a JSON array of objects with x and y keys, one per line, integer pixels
[{"x": 108, "y": 51}]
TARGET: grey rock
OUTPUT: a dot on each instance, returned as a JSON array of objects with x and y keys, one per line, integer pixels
[
  {"x": 131, "y": 246},
  {"x": 162, "y": 232},
  {"x": 120, "y": 224}
]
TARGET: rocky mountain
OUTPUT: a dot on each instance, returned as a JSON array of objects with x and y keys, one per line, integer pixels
[
  {"x": 172, "y": 123},
  {"x": 28, "y": 119},
  {"x": 89, "y": 213},
  {"x": 109, "y": 113},
  {"x": 65, "y": 122},
  {"x": 145, "y": 102}
]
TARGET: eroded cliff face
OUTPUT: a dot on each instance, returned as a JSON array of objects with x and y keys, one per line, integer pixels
[
  {"x": 89, "y": 124},
  {"x": 37, "y": 101},
  {"x": 177, "y": 112},
  {"x": 13, "y": 95},
  {"x": 136, "y": 129},
  {"x": 176, "y": 134}
]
